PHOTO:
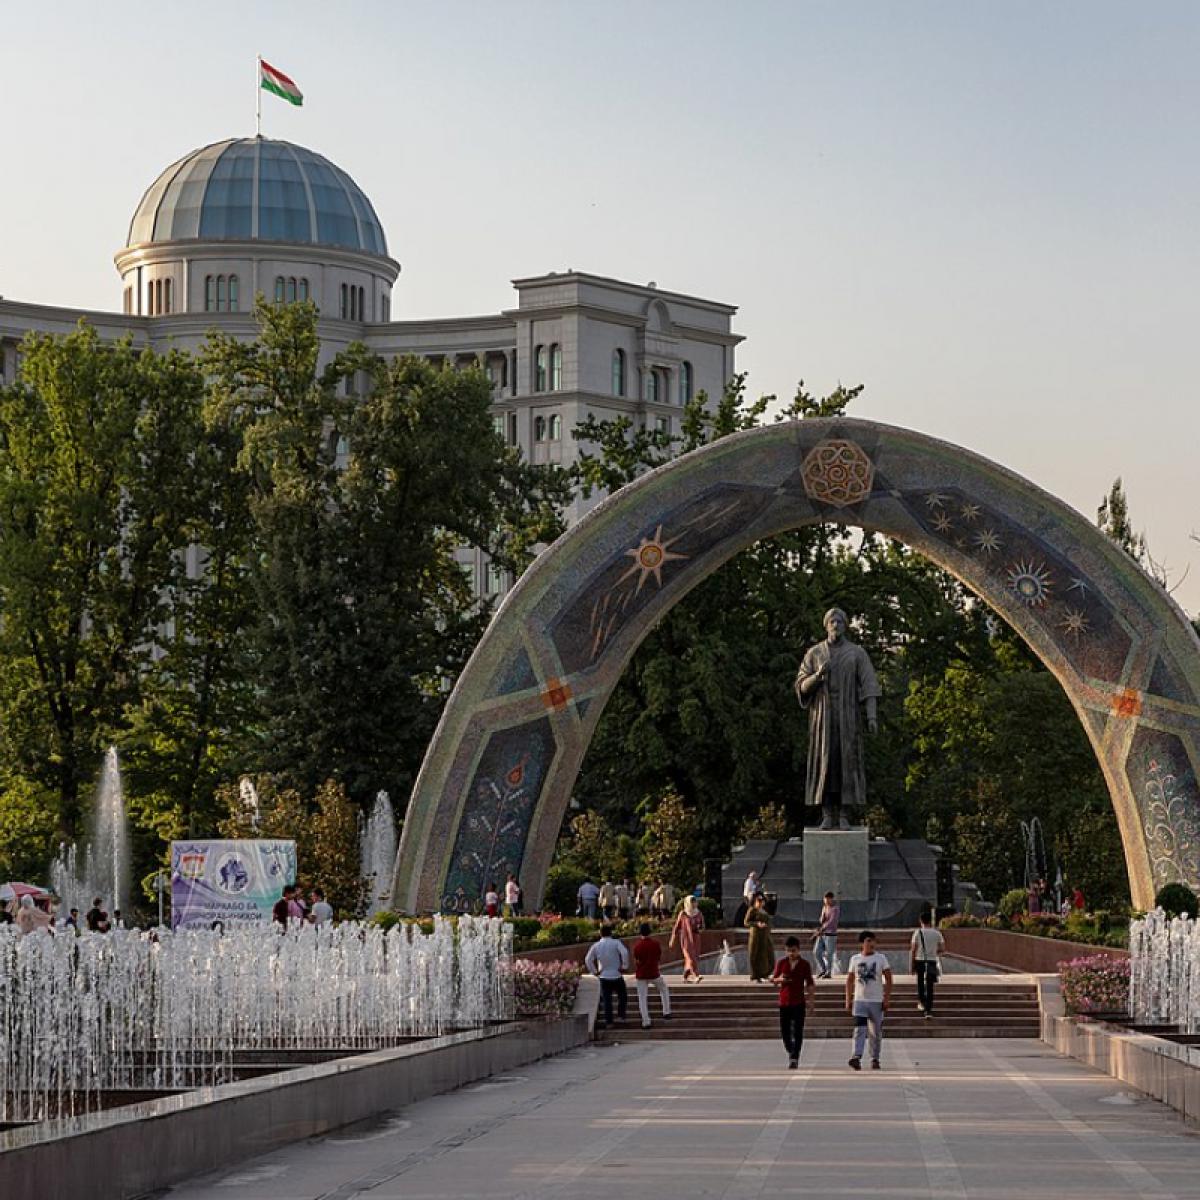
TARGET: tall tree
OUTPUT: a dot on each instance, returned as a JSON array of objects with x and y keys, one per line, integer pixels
[{"x": 96, "y": 492}]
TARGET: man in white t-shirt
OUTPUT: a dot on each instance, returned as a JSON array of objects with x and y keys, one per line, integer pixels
[
  {"x": 321, "y": 912},
  {"x": 868, "y": 997},
  {"x": 512, "y": 895}
]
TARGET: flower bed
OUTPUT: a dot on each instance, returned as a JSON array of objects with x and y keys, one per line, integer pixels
[
  {"x": 545, "y": 989},
  {"x": 1098, "y": 983}
]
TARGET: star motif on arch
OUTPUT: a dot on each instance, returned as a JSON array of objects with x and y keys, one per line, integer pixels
[
  {"x": 1074, "y": 622},
  {"x": 1031, "y": 581},
  {"x": 942, "y": 523},
  {"x": 987, "y": 541},
  {"x": 971, "y": 512},
  {"x": 1078, "y": 585},
  {"x": 936, "y": 499},
  {"x": 649, "y": 557}
]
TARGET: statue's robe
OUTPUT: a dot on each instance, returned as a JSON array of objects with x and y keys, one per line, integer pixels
[{"x": 835, "y": 723}]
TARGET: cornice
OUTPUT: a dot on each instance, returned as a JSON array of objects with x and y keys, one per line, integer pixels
[
  {"x": 201, "y": 249},
  {"x": 621, "y": 285}
]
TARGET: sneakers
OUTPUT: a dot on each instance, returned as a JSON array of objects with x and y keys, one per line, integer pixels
[
  {"x": 928, "y": 1015},
  {"x": 645, "y": 1024},
  {"x": 856, "y": 1063},
  {"x": 793, "y": 1063},
  {"x": 920, "y": 1006},
  {"x": 875, "y": 1065}
]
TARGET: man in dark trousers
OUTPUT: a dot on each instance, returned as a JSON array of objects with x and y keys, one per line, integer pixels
[
  {"x": 607, "y": 959},
  {"x": 797, "y": 992}
]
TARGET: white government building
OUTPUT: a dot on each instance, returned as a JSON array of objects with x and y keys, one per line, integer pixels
[{"x": 250, "y": 215}]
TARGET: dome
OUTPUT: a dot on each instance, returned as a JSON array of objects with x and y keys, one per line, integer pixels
[{"x": 246, "y": 189}]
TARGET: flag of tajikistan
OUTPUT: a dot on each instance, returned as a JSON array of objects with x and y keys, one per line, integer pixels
[{"x": 277, "y": 82}]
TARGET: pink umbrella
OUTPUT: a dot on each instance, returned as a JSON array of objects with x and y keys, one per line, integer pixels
[{"x": 14, "y": 891}]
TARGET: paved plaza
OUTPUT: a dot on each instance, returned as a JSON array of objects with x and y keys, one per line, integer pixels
[{"x": 956, "y": 1118}]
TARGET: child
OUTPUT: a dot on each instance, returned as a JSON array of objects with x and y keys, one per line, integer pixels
[
  {"x": 797, "y": 990},
  {"x": 868, "y": 996}
]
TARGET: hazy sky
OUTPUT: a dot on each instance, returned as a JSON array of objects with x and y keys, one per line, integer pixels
[{"x": 985, "y": 212}]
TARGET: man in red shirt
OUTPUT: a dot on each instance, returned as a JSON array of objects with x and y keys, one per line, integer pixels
[
  {"x": 797, "y": 991},
  {"x": 646, "y": 955}
]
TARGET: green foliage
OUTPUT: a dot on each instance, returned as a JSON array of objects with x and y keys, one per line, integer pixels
[
  {"x": 524, "y": 927},
  {"x": 336, "y": 866},
  {"x": 769, "y": 823},
  {"x": 881, "y": 823},
  {"x": 562, "y": 888},
  {"x": 669, "y": 848},
  {"x": 1012, "y": 903},
  {"x": 27, "y": 829},
  {"x": 1112, "y": 517},
  {"x": 592, "y": 850},
  {"x": 1175, "y": 899}
]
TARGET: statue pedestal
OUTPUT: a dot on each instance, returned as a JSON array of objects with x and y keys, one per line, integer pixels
[{"x": 836, "y": 860}]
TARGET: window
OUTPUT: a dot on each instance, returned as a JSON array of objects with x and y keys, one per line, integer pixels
[
  {"x": 279, "y": 286},
  {"x": 539, "y": 429},
  {"x": 385, "y": 302},
  {"x": 233, "y": 293},
  {"x": 495, "y": 579},
  {"x": 209, "y": 302},
  {"x": 652, "y": 386},
  {"x": 685, "y": 383},
  {"x": 158, "y": 299},
  {"x": 362, "y": 304},
  {"x": 222, "y": 295},
  {"x": 128, "y": 300},
  {"x": 498, "y": 424},
  {"x": 539, "y": 369},
  {"x": 555, "y": 428},
  {"x": 344, "y": 307},
  {"x": 662, "y": 424},
  {"x": 618, "y": 373},
  {"x": 512, "y": 429},
  {"x": 167, "y": 294},
  {"x": 556, "y": 368},
  {"x": 303, "y": 289},
  {"x": 291, "y": 289}
]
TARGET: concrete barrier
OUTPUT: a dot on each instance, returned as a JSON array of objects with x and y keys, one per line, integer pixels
[{"x": 126, "y": 1152}]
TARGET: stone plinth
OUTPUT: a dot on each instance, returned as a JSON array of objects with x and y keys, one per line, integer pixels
[{"x": 836, "y": 860}]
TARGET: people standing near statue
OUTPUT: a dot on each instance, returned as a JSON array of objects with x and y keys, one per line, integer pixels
[
  {"x": 835, "y": 683},
  {"x": 825, "y": 944},
  {"x": 641, "y": 900},
  {"x": 607, "y": 959},
  {"x": 588, "y": 898},
  {"x": 797, "y": 993},
  {"x": 688, "y": 927},
  {"x": 926, "y": 960},
  {"x": 608, "y": 900},
  {"x": 647, "y": 954},
  {"x": 868, "y": 997},
  {"x": 662, "y": 903},
  {"x": 760, "y": 951},
  {"x": 512, "y": 895},
  {"x": 751, "y": 888},
  {"x": 624, "y": 900}
]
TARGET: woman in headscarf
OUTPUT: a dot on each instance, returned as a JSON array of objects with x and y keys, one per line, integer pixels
[
  {"x": 689, "y": 925},
  {"x": 30, "y": 918},
  {"x": 762, "y": 954}
]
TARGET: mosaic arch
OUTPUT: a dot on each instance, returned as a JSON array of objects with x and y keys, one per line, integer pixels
[{"x": 495, "y": 784}]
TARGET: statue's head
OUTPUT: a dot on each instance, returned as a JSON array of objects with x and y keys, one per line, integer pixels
[{"x": 835, "y": 624}]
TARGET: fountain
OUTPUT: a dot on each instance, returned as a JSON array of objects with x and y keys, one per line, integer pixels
[
  {"x": 103, "y": 867},
  {"x": 377, "y": 846},
  {"x": 172, "y": 1010},
  {"x": 1164, "y": 971}
]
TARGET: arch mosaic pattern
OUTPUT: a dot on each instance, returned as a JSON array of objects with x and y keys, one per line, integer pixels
[{"x": 498, "y": 775}]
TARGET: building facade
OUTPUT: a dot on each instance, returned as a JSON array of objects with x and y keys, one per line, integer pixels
[{"x": 253, "y": 215}]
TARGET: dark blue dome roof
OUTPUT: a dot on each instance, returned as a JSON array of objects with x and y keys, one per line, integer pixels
[{"x": 249, "y": 188}]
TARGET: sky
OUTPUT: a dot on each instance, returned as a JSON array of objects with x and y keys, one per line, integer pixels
[{"x": 984, "y": 212}]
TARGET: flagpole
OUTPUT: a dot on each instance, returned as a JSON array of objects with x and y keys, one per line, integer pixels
[{"x": 258, "y": 97}]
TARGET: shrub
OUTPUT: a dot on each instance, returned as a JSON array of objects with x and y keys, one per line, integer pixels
[
  {"x": 769, "y": 823},
  {"x": 545, "y": 989},
  {"x": 1177, "y": 898},
  {"x": 562, "y": 888},
  {"x": 1012, "y": 903},
  {"x": 564, "y": 933},
  {"x": 386, "y": 919},
  {"x": 524, "y": 927},
  {"x": 960, "y": 921},
  {"x": 1095, "y": 984}
]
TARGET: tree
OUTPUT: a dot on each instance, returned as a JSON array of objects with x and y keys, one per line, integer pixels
[
  {"x": 670, "y": 850},
  {"x": 592, "y": 847},
  {"x": 96, "y": 494},
  {"x": 363, "y": 479},
  {"x": 1112, "y": 517},
  {"x": 336, "y": 864}
]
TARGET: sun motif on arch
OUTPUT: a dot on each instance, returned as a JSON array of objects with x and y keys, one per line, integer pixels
[
  {"x": 942, "y": 523},
  {"x": 649, "y": 557},
  {"x": 1074, "y": 622},
  {"x": 970, "y": 512},
  {"x": 1031, "y": 581},
  {"x": 987, "y": 541}
]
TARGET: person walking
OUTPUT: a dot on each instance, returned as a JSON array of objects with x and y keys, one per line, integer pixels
[
  {"x": 512, "y": 895},
  {"x": 761, "y": 953},
  {"x": 641, "y": 902},
  {"x": 491, "y": 901},
  {"x": 647, "y": 954},
  {"x": 868, "y": 997},
  {"x": 607, "y": 959},
  {"x": 624, "y": 894},
  {"x": 751, "y": 888},
  {"x": 797, "y": 993},
  {"x": 608, "y": 900},
  {"x": 688, "y": 927},
  {"x": 662, "y": 904},
  {"x": 926, "y": 960},
  {"x": 588, "y": 897},
  {"x": 825, "y": 943}
]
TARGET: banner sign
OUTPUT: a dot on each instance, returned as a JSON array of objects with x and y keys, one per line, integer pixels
[{"x": 235, "y": 882}]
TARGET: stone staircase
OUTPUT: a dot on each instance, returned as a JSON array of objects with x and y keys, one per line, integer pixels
[{"x": 975, "y": 1005}]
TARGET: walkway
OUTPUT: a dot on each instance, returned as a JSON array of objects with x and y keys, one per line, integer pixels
[{"x": 977, "y": 1118}]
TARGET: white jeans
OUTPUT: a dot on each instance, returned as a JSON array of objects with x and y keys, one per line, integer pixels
[{"x": 664, "y": 995}]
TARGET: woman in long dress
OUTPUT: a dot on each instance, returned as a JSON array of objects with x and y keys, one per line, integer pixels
[
  {"x": 762, "y": 954},
  {"x": 688, "y": 927}
]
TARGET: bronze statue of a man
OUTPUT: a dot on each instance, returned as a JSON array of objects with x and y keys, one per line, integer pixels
[{"x": 836, "y": 681}]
